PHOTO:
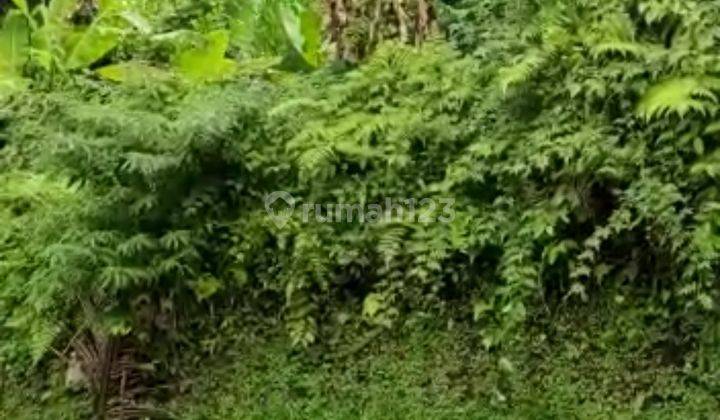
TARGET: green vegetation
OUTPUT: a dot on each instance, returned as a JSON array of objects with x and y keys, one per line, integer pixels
[
  {"x": 563, "y": 158},
  {"x": 437, "y": 376}
]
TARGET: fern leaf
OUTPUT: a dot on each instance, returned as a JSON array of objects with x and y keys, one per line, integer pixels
[
  {"x": 677, "y": 96},
  {"x": 522, "y": 71},
  {"x": 136, "y": 245}
]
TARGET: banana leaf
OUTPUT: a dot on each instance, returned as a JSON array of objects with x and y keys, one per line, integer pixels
[
  {"x": 206, "y": 62},
  {"x": 14, "y": 45},
  {"x": 303, "y": 29}
]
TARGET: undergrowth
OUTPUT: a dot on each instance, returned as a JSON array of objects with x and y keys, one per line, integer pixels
[
  {"x": 572, "y": 147},
  {"x": 432, "y": 372}
]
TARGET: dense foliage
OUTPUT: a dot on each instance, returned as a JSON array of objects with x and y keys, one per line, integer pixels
[{"x": 575, "y": 140}]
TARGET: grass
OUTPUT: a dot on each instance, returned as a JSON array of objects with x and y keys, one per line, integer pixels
[
  {"x": 40, "y": 403},
  {"x": 424, "y": 375},
  {"x": 443, "y": 376}
]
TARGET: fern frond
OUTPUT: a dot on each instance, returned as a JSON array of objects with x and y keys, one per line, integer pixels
[
  {"x": 679, "y": 96},
  {"x": 614, "y": 35},
  {"x": 521, "y": 71}
]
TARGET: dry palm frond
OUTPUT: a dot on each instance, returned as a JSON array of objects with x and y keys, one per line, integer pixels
[{"x": 114, "y": 377}]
